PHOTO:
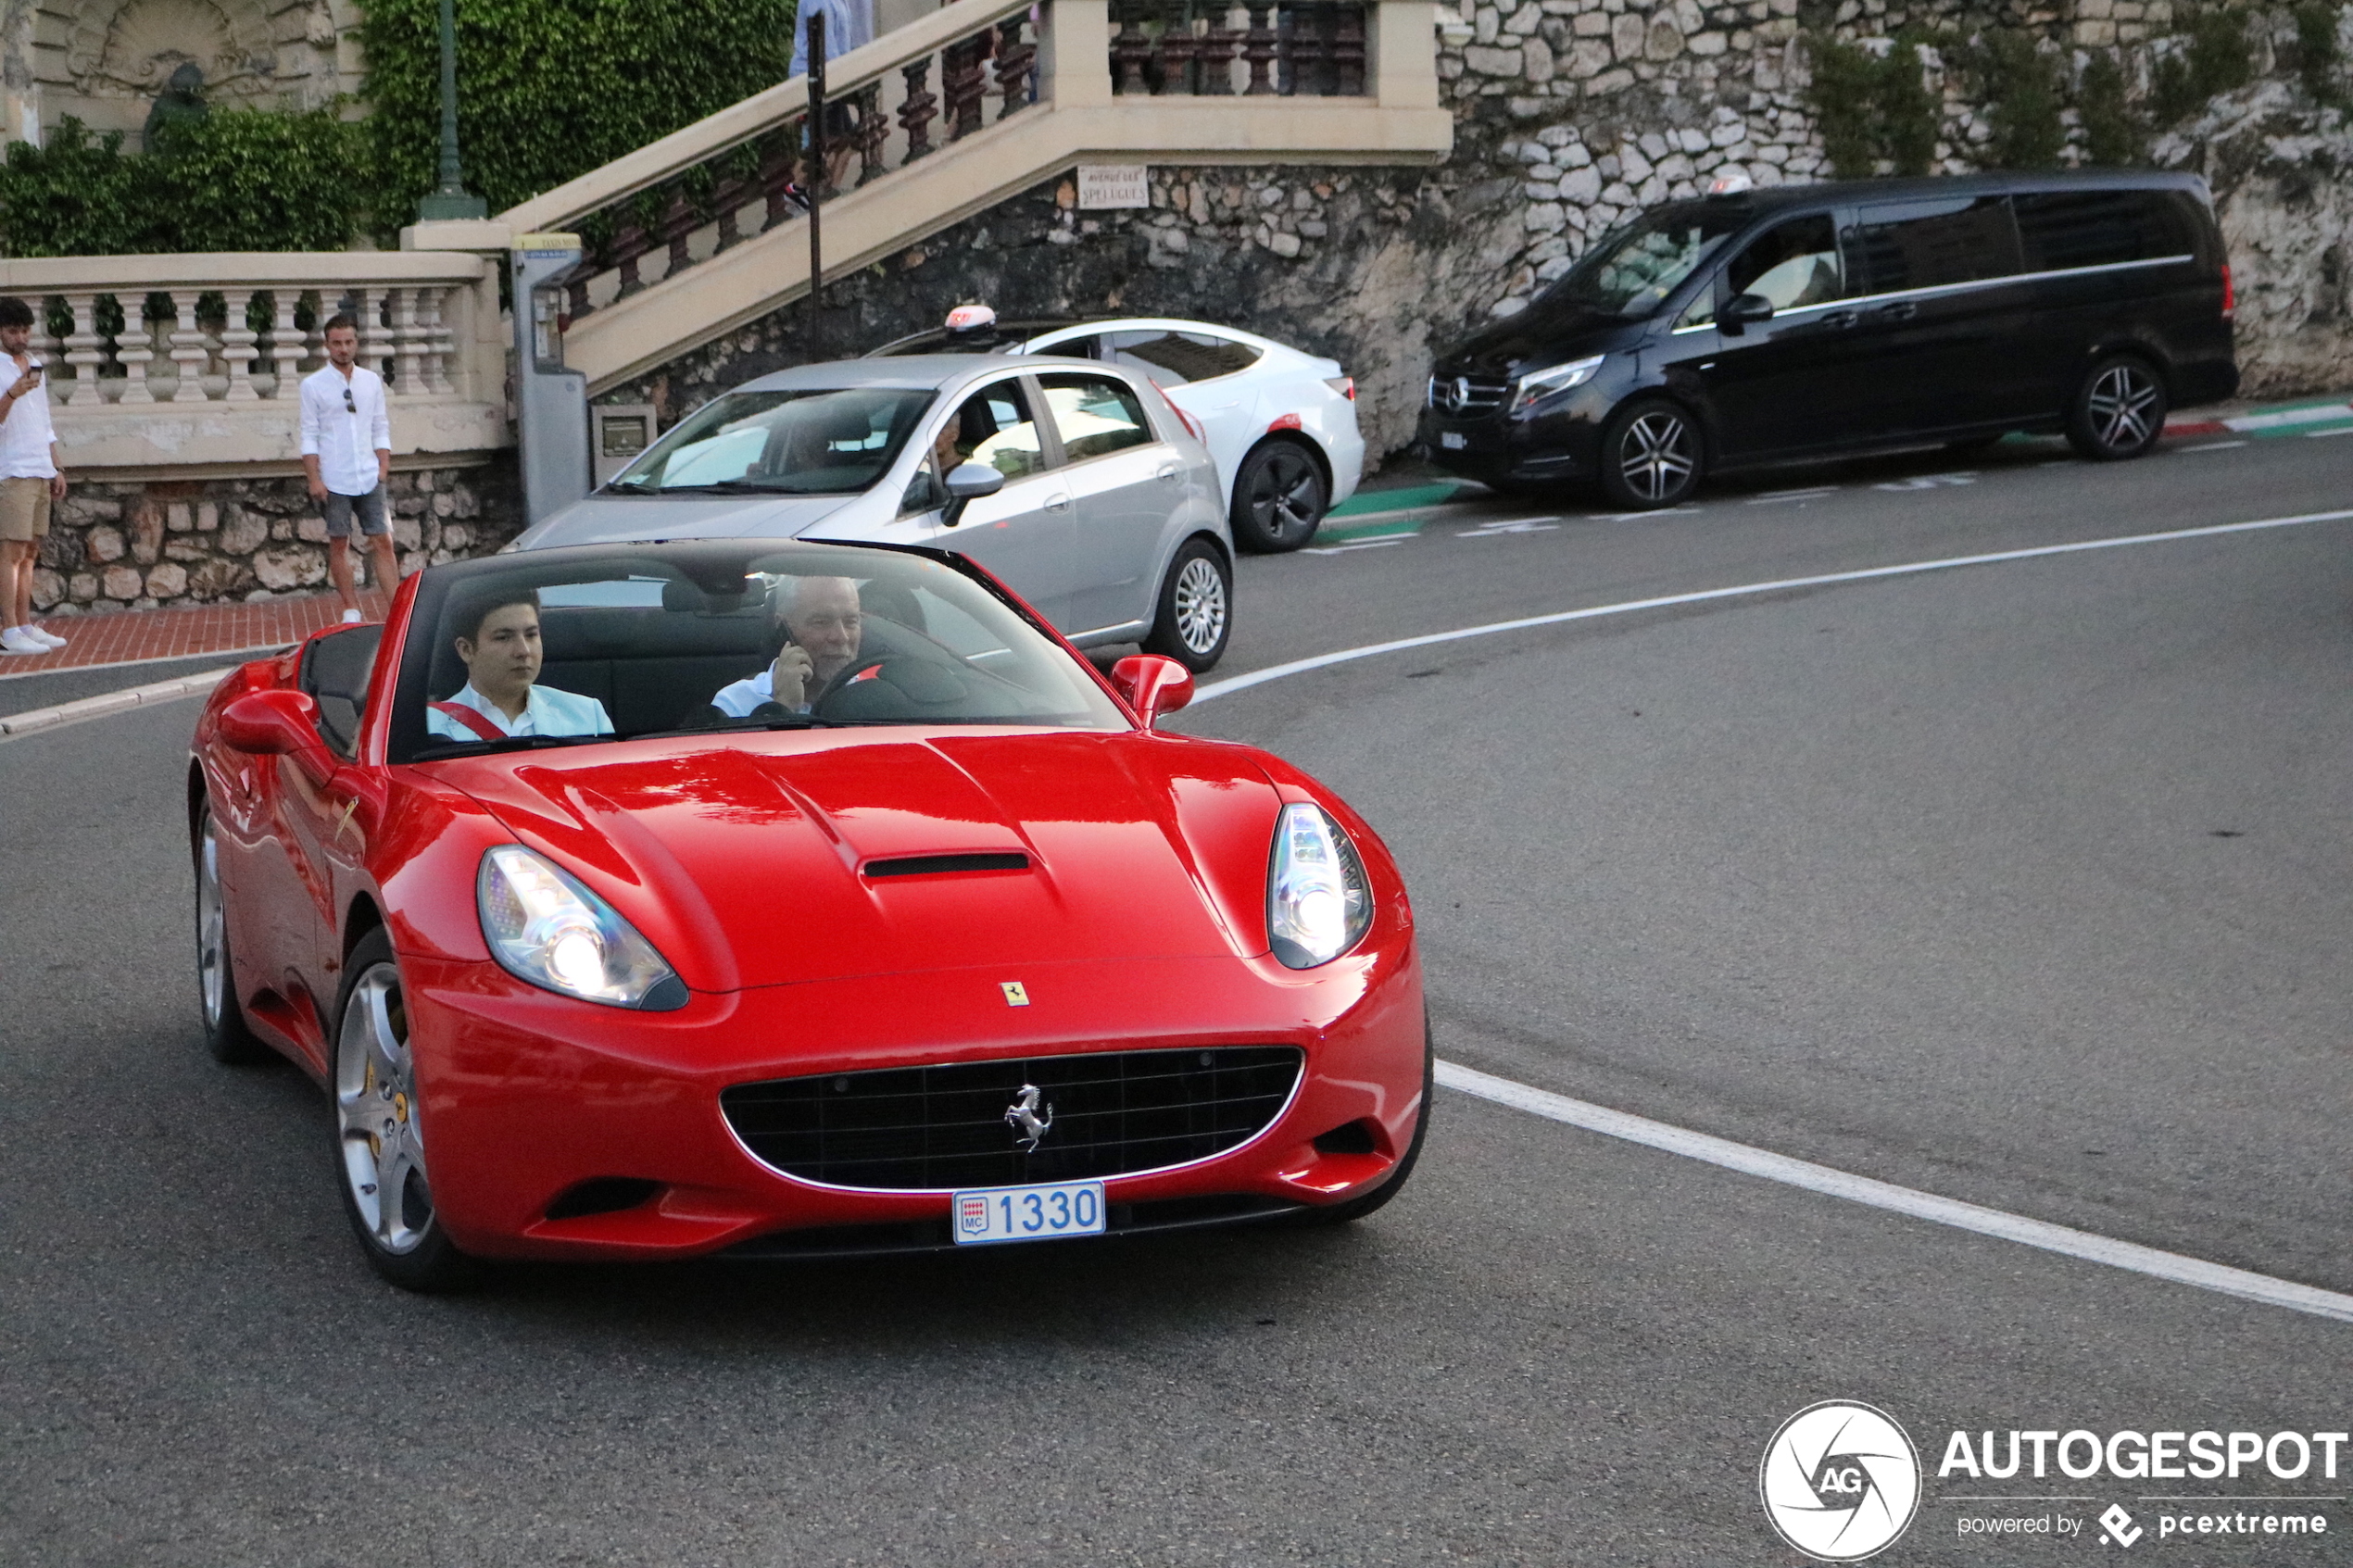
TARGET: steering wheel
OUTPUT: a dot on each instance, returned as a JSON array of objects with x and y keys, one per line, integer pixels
[{"x": 841, "y": 683}]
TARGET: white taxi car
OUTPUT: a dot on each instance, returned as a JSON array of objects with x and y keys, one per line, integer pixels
[{"x": 1280, "y": 423}]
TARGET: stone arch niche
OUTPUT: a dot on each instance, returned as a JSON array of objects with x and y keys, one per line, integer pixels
[{"x": 104, "y": 61}]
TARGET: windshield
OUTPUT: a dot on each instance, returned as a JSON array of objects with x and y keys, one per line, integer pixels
[
  {"x": 802, "y": 442},
  {"x": 596, "y": 645},
  {"x": 1630, "y": 272}
]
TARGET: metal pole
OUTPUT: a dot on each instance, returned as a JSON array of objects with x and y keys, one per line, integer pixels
[
  {"x": 451, "y": 199},
  {"x": 816, "y": 185}
]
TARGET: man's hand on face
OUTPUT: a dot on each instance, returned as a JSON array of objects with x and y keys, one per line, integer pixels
[{"x": 791, "y": 675}]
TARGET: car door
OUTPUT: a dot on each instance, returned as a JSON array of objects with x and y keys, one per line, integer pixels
[
  {"x": 1800, "y": 379},
  {"x": 1126, "y": 484},
  {"x": 1203, "y": 374},
  {"x": 1025, "y": 533},
  {"x": 1944, "y": 316},
  {"x": 327, "y": 804}
]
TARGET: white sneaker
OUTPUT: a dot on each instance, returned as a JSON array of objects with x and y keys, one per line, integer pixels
[
  {"x": 352, "y": 618},
  {"x": 16, "y": 639},
  {"x": 42, "y": 633}
]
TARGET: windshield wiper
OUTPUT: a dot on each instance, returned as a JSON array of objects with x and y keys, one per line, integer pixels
[{"x": 505, "y": 743}]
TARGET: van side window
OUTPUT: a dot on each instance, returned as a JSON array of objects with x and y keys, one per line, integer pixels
[
  {"x": 2063, "y": 228},
  {"x": 1792, "y": 264},
  {"x": 1925, "y": 244}
]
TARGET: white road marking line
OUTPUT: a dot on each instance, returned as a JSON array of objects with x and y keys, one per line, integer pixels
[
  {"x": 1909, "y": 568},
  {"x": 2085, "y": 1245},
  {"x": 2214, "y": 446},
  {"x": 2310, "y": 413},
  {"x": 1771, "y": 497},
  {"x": 1509, "y": 525},
  {"x": 40, "y": 720},
  {"x": 1930, "y": 481},
  {"x": 1360, "y": 544},
  {"x": 1629, "y": 516},
  {"x": 2319, "y": 434}
]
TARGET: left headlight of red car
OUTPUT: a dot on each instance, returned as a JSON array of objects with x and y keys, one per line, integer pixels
[
  {"x": 542, "y": 926},
  {"x": 1319, "y": 904}
]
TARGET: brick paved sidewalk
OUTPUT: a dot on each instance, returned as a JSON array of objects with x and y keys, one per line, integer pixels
[{"x": 144, "y": 637}]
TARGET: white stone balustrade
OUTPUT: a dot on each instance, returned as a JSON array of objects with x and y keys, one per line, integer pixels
[{"x": 185, "y": 366}]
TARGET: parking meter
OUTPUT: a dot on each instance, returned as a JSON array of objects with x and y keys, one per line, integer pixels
[{"x": 551, "y": 403}]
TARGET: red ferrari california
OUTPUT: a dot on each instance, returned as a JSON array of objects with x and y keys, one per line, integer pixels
[{"x": 787, "y": 901}]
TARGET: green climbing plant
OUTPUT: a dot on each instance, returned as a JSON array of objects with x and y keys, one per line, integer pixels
[
  {"x": 550, "y": 89},
  {"x": 232, "y": 179},
  {"x": 1871, "y": 109},
  {"x": 2215, "y": 58},
  {"x": 2111, "y": 131},
  {"x": 2318, "y": 55},
  {"x": 2019, "y": 86}
]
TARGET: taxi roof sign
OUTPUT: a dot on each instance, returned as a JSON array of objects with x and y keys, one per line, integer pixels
[{"x": 971, "y": 318}]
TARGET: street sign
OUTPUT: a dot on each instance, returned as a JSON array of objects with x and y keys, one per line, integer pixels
[{"x": 1103, "y": 185}]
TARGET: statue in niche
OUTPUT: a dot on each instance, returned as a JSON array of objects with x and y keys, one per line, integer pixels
[{"x": 181, "y": 99}]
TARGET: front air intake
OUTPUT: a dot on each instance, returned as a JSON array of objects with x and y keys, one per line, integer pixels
[{"x": 1105, "y": 1113}]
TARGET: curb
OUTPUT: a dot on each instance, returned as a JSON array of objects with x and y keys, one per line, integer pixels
[{"x": 40, "y": 720}]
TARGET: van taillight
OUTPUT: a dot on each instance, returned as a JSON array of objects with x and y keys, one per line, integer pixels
[{"x": 2230, "y": 297}]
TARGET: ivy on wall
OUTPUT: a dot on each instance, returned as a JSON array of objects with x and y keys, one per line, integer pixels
[
  {"x": 232, "y": 179},
  {"x": 550, "y": 89}
]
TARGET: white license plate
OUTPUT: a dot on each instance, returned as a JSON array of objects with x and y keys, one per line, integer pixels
[
  {"x": 1029, "y": 1213},
  {"x": 1452, "y": 440}
]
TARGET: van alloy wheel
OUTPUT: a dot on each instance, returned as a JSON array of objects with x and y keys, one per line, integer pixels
[
  {"x": 2118, "y": 410},
  {"x": 1651, "y": 456}
]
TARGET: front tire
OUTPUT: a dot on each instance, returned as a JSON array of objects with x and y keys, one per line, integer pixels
[
  {"x": 1650, "y": 454},
  {"x": 1196, "y": 612},
  {"x": 379, "y": 1130},
  {"x": 2119, "y": 412},
  {"x": 1279, "y": 498},
  {"x": 226, "y": 1034}
]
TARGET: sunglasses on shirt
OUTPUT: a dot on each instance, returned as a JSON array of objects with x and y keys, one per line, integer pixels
[{"x": 347, "y": 402}]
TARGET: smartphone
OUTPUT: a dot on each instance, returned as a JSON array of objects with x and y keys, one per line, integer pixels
[{"x": 35, "y": 369}]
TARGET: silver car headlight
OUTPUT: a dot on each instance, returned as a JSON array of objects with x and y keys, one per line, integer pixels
[
  {"x": 1318, "y": 905},
  {"x": 545, "y": 927},
  {"x": 1557, "y": 378}
]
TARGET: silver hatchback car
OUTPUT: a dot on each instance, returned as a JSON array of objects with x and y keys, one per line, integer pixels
[{"x": 1075, "y": 483}]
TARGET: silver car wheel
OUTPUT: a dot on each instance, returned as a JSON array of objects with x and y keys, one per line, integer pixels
[
  {"x": 1201, "y": 605},
  {"x": 384, "y": 1151},
  {"x": 212, "y": 929},
  {"x": 2120, "y": 405},
  {"x": 1655, "y": 455}
]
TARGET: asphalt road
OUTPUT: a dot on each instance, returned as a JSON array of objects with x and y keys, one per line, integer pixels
[{"x": 2025, "y": 885}]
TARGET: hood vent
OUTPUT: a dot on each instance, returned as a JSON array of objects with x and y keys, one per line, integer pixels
[{"x": 938, "y": 865}]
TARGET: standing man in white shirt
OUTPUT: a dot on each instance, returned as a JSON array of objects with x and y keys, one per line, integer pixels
[
  {"x": 346, "y": 454},
  {"x": 30, "y": 480}
]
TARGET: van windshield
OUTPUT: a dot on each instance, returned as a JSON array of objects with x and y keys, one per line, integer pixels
[{"x": 1630, "y": 272}]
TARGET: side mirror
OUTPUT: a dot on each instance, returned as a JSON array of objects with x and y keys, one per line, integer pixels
[
  {"x": 1153, "y": 685},
  {"x": 271, "y": 723},
  {"x": 1741, "y": 310},
  {"x": 968, "y": 483}
]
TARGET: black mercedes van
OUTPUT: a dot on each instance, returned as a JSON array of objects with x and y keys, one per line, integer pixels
[{"x": 1762, "y": 326}]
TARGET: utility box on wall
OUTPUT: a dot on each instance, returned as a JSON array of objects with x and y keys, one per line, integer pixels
[{"x": 617, "y": 432}]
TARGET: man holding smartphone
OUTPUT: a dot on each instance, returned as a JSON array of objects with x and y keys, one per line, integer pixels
[
  {"x": 346, "y": 455},
  {"x": 30, "y": 481}
]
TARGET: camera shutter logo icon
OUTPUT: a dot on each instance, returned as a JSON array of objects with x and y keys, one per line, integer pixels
[{"x": 1840, "y": 1481}]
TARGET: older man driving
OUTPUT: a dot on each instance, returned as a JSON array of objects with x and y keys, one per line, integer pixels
[
  {"x": 498, "y": 640},
  {"x": 823, "y": 626}
]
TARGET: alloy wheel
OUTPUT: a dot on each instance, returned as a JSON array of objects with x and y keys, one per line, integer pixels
[
  {"x": 1655, "y": 455},
  {"x": 2122, "y": 405},
  {"x": 1201, "y": 605},
  {"x": 384, "y": 1153},
  {"x": 212, "y": 929},
  {"x": 1286, "y": 495}
]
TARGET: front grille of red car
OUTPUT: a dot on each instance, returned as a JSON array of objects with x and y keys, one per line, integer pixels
[{"x": 1112, "y": 1113}]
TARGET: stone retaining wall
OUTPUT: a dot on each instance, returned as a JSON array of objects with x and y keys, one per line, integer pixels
[{"x": 116, "y": 546}]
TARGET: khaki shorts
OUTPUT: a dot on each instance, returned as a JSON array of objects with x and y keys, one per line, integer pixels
[{"x": 24, "y": 509}]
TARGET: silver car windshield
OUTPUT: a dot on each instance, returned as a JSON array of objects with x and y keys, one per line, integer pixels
[
  {"x": 1630, "y": 273},
  {"x": 797, "y": 443}
]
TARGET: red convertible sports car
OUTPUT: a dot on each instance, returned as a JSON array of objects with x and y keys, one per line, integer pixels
[{"x": 788, "y": 899}]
